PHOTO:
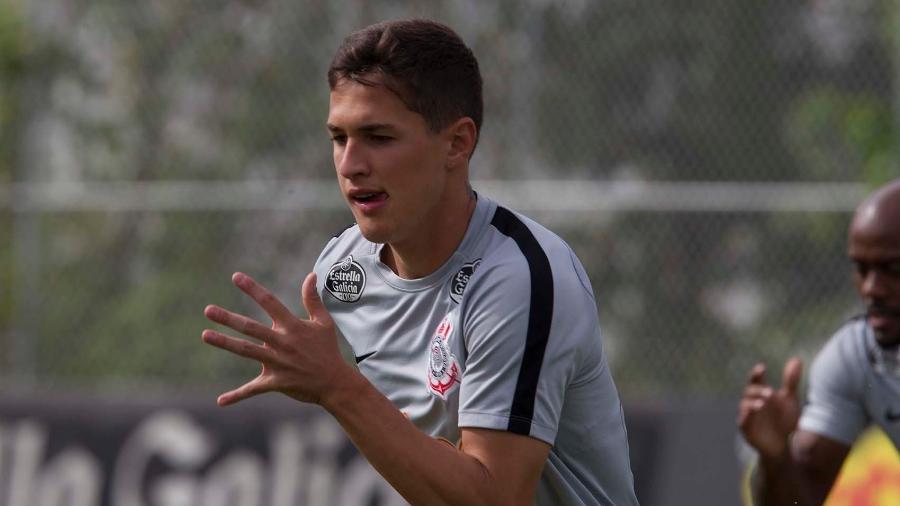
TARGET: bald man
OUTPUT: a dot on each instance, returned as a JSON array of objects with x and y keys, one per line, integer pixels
[{"x": 854, "y": 381}]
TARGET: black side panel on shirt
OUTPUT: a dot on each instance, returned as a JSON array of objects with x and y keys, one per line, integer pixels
[{"x": 539, "y": 317}]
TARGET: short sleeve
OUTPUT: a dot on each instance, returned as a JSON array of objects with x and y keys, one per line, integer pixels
[
  {"x": 835, "y": 407},
  {"x": 520, "y": 346}
]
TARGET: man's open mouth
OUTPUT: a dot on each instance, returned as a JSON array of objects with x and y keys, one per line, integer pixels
[{"x": 369, "y": 197}]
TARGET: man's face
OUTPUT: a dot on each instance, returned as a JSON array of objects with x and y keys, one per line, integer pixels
[
  {"x": 390, "y": 167},
  {"x": 875, "y": 252}
]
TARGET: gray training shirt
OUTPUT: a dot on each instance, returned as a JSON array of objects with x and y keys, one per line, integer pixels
[
  {"x": 503, "y": 336},
  {"x": 853, "y": 383}
]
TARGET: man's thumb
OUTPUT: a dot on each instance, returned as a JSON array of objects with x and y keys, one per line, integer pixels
[
  {"x": 312, "y": 302},
  {"x": 793, "y": 370}
]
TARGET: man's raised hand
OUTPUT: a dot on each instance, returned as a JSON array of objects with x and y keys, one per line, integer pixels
[
  {"x": 299, "y": 357},
  {"x": 767, "y": 416}
]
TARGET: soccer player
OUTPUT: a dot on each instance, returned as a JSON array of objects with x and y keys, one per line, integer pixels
[
  {"x": 480, "y": 376},
  {"x": 854, "y": 380}
]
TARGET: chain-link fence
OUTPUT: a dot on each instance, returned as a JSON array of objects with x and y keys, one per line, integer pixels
[{"x": 149, "y": 149}]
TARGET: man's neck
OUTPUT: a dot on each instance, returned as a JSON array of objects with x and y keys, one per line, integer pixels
[{"x": 429, "y": 249}]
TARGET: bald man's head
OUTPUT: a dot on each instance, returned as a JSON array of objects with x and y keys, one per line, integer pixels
[{"x": 874, "y": 247}]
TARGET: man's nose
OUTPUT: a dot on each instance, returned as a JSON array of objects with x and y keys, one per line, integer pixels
[
  {"x": 873, "y": 283},
  {"x": 352, "y": 161}
]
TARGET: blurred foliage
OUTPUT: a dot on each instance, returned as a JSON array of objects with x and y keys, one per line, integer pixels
[
  {"x": 831, "y": 128},
  {"x": 12, "y": 71},
  {"x": 693, "y": 89},
  {"x": 683, "y": 90}
]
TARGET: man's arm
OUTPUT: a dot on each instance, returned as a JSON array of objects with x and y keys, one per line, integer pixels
[
  {"x": 300, "y": 358},
  {"x": 796, "y": 470},
  {"x": 489, "y": 467},
  {"x": 802, "y": 476}
]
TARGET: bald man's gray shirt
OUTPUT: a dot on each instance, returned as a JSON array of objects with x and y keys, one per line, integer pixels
[
  {"x": 853, "y": 383},
  {"x": 503, "y": 336}
]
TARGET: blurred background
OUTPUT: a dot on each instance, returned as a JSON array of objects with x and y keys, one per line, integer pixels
[{"x": 702, "y": 158}]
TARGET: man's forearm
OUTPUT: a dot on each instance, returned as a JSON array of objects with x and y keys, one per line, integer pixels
[
  {"x": 779, "y": 482},
  {"x": 424, "y": 470}
]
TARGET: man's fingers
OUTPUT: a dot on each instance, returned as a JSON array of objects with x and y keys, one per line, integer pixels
[
  {"x": 758, "y": 392},
  {"x": 255, "y": 387},
  {"x": 757, "y": 374},
  {"x": 240, "y": 323},
  {"x": 790, "y": 379},
  {"x": 238, "y": 346},
  {"x": 266, "y": 300},
  {"x": 747, "y": 410},
  {"x": 312, "y": 302}
]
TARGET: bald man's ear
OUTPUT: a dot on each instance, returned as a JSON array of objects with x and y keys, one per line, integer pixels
[{"x": 463, "y": 135}]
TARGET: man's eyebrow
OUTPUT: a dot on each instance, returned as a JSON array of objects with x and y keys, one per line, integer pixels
[
  {"x": 370, "y": 127},
  {"x": 889, "y": 259}
]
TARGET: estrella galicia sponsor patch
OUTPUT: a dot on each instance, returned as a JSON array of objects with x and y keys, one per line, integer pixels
[
  {"x": 461, "y": 280},
  {"x": 443, "y": 368},
  {"x": 346, "y": 280}
]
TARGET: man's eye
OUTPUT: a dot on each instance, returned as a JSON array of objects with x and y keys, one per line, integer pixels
[
  {"x": 892, "y": 268},
  {"x": 861, "y": 268},
  {"x": 339, "y": 139},
  {"x": 380, "y": 139}
]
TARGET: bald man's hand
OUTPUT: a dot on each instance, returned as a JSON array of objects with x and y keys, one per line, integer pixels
[{"x": 767, "y": 416}]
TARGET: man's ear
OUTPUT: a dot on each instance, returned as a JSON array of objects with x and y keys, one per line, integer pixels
[{"x": 463, "y": 134}]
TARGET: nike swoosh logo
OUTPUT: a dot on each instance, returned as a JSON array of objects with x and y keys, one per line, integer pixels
[
  {"x": 360, "y": 358},
  {"x": 891, "y": 415}
]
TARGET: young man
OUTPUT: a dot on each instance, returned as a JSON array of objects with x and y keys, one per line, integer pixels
[
  {"x": 854, "y": 381},
  {"x": 481, "y": 377}
]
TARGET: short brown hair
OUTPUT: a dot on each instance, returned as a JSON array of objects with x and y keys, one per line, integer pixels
[{"x": 424, "y": 62}]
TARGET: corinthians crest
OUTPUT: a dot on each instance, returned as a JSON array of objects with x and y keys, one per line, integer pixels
[
  {"x": 346, "y": 280},
  {"x": 443, "y": 368}
]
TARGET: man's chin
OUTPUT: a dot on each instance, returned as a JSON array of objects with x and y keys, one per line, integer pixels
[
  {"x": 887, "y": 337},
  {"x": 372, "y": 233}
]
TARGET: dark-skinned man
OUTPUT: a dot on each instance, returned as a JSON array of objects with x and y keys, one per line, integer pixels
[{"x": 854, "y": 381}]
